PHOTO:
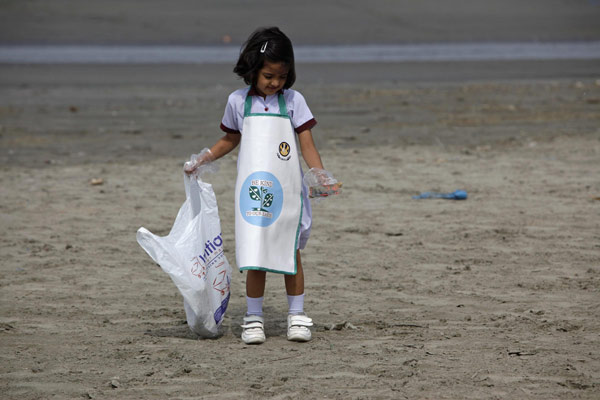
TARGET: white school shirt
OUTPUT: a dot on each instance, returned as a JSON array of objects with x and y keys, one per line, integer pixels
[{"x": 298, "y": 111}]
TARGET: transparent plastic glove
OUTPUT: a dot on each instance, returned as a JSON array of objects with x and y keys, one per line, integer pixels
[
  {"x": 321, "y": 183},
  {"x": 201, "y": 163}
]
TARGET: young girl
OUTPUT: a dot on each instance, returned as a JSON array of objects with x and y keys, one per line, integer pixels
[{"x": 273, "y": 214}]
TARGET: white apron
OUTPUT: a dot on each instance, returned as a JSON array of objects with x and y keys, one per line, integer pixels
[{"x": 268, "y": 193}]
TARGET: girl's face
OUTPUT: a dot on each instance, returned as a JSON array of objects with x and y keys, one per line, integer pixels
[{"x": 271, "y": 78}]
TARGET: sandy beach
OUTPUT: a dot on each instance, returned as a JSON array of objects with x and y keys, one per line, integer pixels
[{"x": 493, "y": 297}]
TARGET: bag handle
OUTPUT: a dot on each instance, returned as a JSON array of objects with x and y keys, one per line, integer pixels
[{"x": 192, "y": 192}]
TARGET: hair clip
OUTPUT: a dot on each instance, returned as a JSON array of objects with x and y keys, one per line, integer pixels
[{"x": 264, "y": 47}]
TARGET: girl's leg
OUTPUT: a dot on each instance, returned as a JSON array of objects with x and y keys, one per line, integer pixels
[
  {"x": 294, "y": 284},
  {"x": 255, "y": 291},
  {"x": 255, "y": 283}
]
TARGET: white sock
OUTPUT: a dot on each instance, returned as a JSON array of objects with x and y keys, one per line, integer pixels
[
  {"x": 296, "y": 304},
  {"x": 254, "y": 305}
]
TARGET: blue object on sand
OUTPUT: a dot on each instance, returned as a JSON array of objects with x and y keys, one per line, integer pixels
[{"x": 456, "y": 195}]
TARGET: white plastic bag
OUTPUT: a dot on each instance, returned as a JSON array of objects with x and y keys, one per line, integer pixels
[{"x": 192, "y": 254}]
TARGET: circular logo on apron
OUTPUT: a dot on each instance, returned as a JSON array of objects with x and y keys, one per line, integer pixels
[
  {"x": 284, "y": 151},
  {"x": 261, "y": 199}
]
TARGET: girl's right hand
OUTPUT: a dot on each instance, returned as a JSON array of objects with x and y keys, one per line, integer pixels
[{"x": 196, "y": 160}]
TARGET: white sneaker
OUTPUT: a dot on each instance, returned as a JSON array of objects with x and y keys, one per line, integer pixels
[
  {"x": 253, "y": 332},
  {"x": 298, "y": 328}
]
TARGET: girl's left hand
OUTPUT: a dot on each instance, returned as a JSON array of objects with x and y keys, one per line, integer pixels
[{"x": 321, "y": 183}]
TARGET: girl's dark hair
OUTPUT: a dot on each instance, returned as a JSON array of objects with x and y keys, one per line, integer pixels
[{"x": 278, "y": 50}]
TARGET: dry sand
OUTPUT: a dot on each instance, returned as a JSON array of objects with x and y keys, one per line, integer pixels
[{"x": 493, "y": 297}]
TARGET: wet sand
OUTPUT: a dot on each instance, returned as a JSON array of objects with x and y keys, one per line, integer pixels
[{"x": 308, "y": 22}]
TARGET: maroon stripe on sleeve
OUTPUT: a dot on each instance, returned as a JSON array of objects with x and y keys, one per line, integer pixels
[
  {"x": 306, "y": 126},
  {"x": 228, "y": 130}
]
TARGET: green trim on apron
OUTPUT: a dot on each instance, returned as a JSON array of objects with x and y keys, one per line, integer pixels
[{"x": 282, "y": 108}]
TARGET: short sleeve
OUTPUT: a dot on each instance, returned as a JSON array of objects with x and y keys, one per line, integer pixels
[
  {"x": 230, "y": 121},
  {"x": 300, "y": 114}
]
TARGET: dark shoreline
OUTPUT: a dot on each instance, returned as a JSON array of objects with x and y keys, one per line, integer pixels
[{"x": 353, "y": 73}]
